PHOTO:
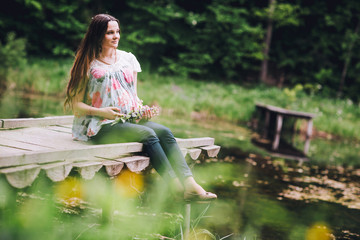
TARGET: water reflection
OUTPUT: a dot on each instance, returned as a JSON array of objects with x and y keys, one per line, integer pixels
[
  {"x": 264, "y": 197},
  {"x": 260, "y": 197},
  {"x": 278, "y": 199},
  {"x": 24, "y": 105}
]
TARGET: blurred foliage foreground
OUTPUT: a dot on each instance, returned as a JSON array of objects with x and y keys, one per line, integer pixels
[
  {"x": 259, "y": 198},
  {"x": 78, "y": 209}
]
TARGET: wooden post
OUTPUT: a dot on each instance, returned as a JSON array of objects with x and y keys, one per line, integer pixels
[
  {"x": 293, "y": 132},
  {"x": 267, "y": 123},
  {"x": 279, "y": 122},
  {"x": 308, "y": 136},
  {"x": 187, "y": 220}
]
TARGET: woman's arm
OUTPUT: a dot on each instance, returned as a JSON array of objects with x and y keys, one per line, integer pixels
[
  {"x": 80, "y": 108},
  {"x": 148, "y": 113},
  {"x": 135, "y": 82}
]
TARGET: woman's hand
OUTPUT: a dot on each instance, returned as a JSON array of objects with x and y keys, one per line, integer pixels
[
  {"x": 110, "y": 113},
  {"x": 147, "y": 113}
]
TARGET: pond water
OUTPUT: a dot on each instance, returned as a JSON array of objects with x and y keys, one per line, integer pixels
[{"x": 260, "y": 196}]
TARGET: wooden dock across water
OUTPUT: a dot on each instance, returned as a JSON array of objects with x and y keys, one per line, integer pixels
[
  {"x": 272, "y": 118},
  {"x": 31, "y": 145}
]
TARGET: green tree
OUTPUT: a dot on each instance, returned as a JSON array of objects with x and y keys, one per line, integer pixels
[
  {"x": 280, "y": 14},
  {"x": 51, "y": 27},
  {"x": 202, "y": 39},
  {"x": 312, "y": 43},
  {"x": 306, "y": 42},
  {"x": 12, "y": 55}
]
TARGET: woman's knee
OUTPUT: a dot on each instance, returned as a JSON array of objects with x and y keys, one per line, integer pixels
[
  {"x": 148, "y": 136},
  {"x": 161, "y": 131},
  {"x": 165, "y": 133}
]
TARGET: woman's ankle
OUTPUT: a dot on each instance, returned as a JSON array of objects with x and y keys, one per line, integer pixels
[{"x": 191, "y": 186}]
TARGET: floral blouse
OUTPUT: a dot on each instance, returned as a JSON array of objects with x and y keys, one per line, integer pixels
[{"x": 109, "y": 86}]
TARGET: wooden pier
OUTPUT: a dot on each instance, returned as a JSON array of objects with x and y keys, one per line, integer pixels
[
  {"x": 271, "y": 119},
  {"x": 31, "y": 145}
]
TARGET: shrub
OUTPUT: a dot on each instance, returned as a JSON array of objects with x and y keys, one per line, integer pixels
[{"x": 12, "y": 55}]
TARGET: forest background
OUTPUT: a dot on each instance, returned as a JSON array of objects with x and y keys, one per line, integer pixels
[{"x": 283, "y": 43}]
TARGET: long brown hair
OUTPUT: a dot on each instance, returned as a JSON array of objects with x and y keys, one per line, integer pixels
[{"x": 89, "y": 49}]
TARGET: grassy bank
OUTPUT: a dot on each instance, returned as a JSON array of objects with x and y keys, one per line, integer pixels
[
  {"x": 236, "y": 103},
  {"x": 192, "y": 98}
]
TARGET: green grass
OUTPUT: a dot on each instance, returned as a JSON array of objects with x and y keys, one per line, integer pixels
[
  {"x": 43, "y": 76},
  {"x": 235, "y": 103},
  {"x": 181, "y": 96}
]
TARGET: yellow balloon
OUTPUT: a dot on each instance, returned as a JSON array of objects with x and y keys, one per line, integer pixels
[
  {"x": 129, "y": 184},
  {"x": 318, "y": 231},
  {"x": 70, "y": 191}
]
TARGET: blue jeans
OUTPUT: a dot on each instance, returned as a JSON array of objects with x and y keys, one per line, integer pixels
[{"x": 159, "y": 143}]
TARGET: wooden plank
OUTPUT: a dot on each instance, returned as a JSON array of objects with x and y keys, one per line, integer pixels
[
  {"x": 194, "y": 142},
  {"x": 85, "y": 152},
  {"x": 6, "y": 150},
  {"x": 42, "y": 137},
  {"x": 46, "y": 138},
  {"x": 35, "y": 122},
  {"x": 21, "y": 145},
  {"x": 57, "y": 171},
  {"x": 37, "y": 131},
  {"x": 47, "y": 166},
  {"x": 88, "y": 169},
  {"x": 131, "y": 159},
  {"x": 194, "y": 153},
  {"x": 136, "y": 163},
  {"x": 80, "y": 150},
  {"x": 212, "y": 151},
  {"x": 23, "y": 176},
  {"x": 62, "y": 129},
  {"x": 291, "y": 112},
  {"x": 286, "y": 111},
  {"x": 18, "y": 169},
  {"x": 68, "y": 126},
  {"x": 113, "y": 168}
]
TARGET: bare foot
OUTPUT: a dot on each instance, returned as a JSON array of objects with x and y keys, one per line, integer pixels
[{"x": 193, "y": 191}]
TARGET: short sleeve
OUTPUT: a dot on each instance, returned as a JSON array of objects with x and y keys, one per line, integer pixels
[{"x": 135, "y": 63}]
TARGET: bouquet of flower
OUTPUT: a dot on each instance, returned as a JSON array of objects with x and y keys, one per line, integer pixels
[{"x": 143, "y": 111}]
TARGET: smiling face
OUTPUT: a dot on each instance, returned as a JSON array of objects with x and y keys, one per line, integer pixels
[{"x": 112, "y": 35}]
